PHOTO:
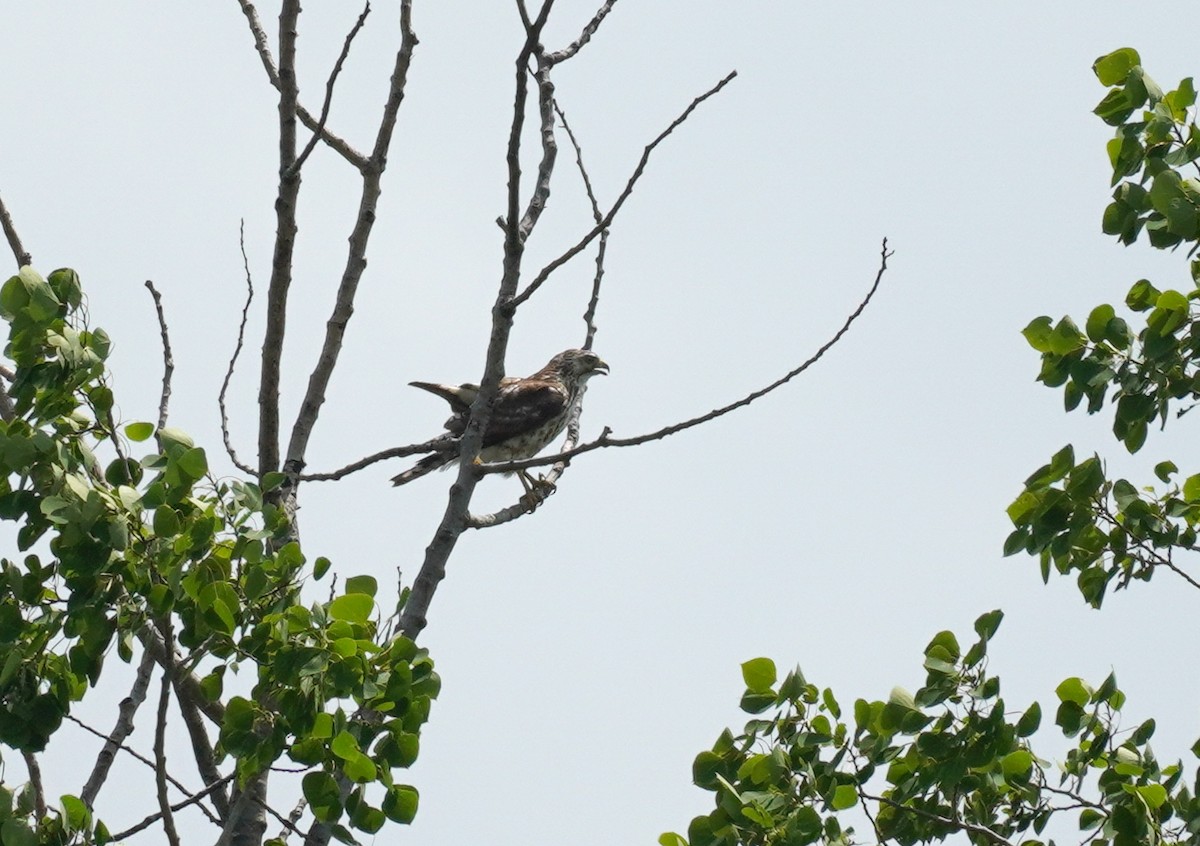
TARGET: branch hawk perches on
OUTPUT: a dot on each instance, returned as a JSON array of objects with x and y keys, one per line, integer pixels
[{"x": 527, "y": 415}]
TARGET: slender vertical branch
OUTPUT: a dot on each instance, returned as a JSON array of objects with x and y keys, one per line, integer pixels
[
  {"x": 285, "y": 242},
  {"x": 160, "y": 761},
  {"x": 356, "y": 260},
  {"x": 124, "y": 727},
  {"x": 454, "y": 519},
  {"x": 34, "y": 771},
  {"x": 168, "y": 358},
  {"x": 589, "y": 315},
  {"x": 237, "y": 351},
  {"x": 14, "y": 240},
  {"x": 329, "y": 83},
  {"x": 589, "y": 30}
]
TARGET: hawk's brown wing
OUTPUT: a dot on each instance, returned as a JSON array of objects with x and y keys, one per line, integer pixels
[{"x": 524, "y": 407}]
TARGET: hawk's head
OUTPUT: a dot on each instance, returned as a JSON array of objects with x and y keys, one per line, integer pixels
[{"x": 577, "y": 366}]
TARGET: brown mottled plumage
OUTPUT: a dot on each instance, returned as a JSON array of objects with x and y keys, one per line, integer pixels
[{"x": 527, "y": 415}]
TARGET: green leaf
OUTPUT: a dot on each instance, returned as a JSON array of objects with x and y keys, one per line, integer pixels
[
  {"x": 320, "y": 567},
  {"x": 1191, "y": 488},
  {"x": 844, "y": 796},
  {"x": 362, "y": 584},
  {"x": 1164, "y": 469},
  {"x": 352, "y": 608},
  {"x": 987, "y": 624},
  {"x": 1017, "y": 764},
  {"x": 360, "y": 769},
  {"x": 759, "y": 675},
  {"x": 193, "y": 463},
  {"x": 1154, "y": 794},
  {"x": 400, "y": 803},
  {"x": 1074, "y": 690},
  {"x": 1097, "y": 322},
  {"x": 1112, "y": 69},
  {"x": 166, "y": 522},
  {"x": 139, "y": 431},
  {"x": 344, "y": 746},
  {"x": 324, "y": 798},
  {"x": 1037, "y": 333},
  {"x": 670, "y": 838},
  {"x": 1030, "y": 720},
  {"x": 75, "y": 813}
]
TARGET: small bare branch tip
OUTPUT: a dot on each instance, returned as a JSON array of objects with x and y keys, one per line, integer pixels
[
  {"x": 14, "y": 240},
  {"x": 606, "y": 222},
  {"x": 319, "y": 129},
  {"x": 237, "y": 350},
  {"x": 168, "y": 358}
]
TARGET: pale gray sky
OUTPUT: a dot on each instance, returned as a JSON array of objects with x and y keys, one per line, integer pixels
[{"x": 589, "y": 652}]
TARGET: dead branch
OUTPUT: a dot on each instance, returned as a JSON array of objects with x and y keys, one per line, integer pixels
[
  {"x": 454, "y": 519},
  {"x": 168, "y": 358},
  {"x": 335, "y": 143},
  {"x": 356, "y": 260},
  {"x": 285, "y": 243},
  {"x": 439, "y": 444},
  {"x": 329, "y": 83},
  {"x": 202, "y": 749},
  {"x": 541, "y": 191},
  {"x": 160, "y": 761},
  {"x": 573, "y": 251},
  {"x": 178, "y": 806},
  {"x": 237, "y": 350},
  {"x": 605, "y": 440},
  {"x": 589, "y": 315},
  {"x": 124, "y": 727},
  {"x": 14, "y": 240},
  {"x": 588, "y": 31},
  {"x": 34, "y": 770},
  {"x": 174, "y": 782}
]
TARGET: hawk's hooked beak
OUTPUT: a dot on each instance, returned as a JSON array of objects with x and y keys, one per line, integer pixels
[{"x": 601, "y": 367}]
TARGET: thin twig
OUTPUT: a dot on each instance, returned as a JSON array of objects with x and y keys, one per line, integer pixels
[
  {"x": 588, "y": 31},
  {"x": 605, "y": 440},
  {"x": 438, "y": 444},
  {"x": 335, "y": 143},
  {"x": 168, "y": 358},
  {"x": 973, "y": 828},
  {"x": 124, "y": 727},
  {"x": 34, "y": 770},
  {"x": 329, "y": 83},
  {"x": 541, "y": 190},
  {"x": 545, "y": 272},
  {"x": 589, "y": 315},
  {"x": 356, "y": 259},
  {"x": 237, "y": 350},
  {"x": 178, "y": 806},
  {"x": 160, "y": 761},
  {"x": 174, "y": 782},
  {"x": 14, "y": 240}
]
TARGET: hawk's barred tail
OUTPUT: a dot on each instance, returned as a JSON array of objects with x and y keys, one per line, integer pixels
[{"x": 426, "y": 465}]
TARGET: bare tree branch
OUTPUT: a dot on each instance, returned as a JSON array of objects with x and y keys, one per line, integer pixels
[
  {"x": 14, "y": 240},
  {"x": 237, "y": 350},
  {"x": 178, "y": 806},
  {"x": 545, "y": 272},
  {"x": 439, "y": 444},
  {"x": 589, "y": 315},
  {"x": 35, "y": 780},
  {"x": 339, "y": 145},
  {"x": 160, "y": 761},
  {"x": 153, "y": 643},
  {"x": 285, "y": 243},
  {"x": 124, "y": 727},
  {"x": 337, "y": 69},
  {"x": 605, "y": 440},
  {"x": 454, "y": 519},
  {"x": 168, "y": 358},
  {"x": 541, "y": 191},
  {"x": 588, "y": 31},
  {"x": 356, "y": 260},
  {"x": 174, "y": 782},
  {"x": 202, "y": 749}
]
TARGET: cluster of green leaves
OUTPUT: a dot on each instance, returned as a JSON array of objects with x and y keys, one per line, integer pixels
[
  {"x": 919, "y": 767},
  {"x": 1069, "y": 514},
  {"x": 154, "y": 549}
]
